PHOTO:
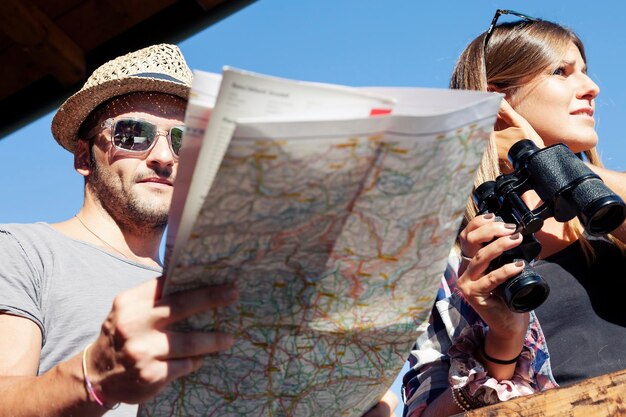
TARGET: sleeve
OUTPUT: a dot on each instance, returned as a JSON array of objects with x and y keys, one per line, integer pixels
[
  {"x": 427, "y": 377},
  {"x": 429, "y": 363},
  {"x": 20, "y": 281}
]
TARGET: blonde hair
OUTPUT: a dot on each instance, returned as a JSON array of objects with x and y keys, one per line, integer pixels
[{"x": 515, "y": 54}]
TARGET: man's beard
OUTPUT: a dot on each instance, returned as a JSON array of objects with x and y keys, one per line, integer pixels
[{"x": 126, "y": 208}]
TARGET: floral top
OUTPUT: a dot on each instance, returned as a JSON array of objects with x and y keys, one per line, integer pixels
[{"x": 443, "y": 355}]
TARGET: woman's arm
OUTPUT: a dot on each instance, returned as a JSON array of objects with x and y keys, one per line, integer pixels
[
  {"x": 427, "y": 385},
  {"x": 484, "y": 239}
]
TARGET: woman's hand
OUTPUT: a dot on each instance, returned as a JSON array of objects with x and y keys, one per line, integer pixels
[
  {"x": 483, "y": 240},
  {"x": 510, "y": 128}
]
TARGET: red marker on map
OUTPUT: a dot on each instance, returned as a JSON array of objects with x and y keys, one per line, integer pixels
[{"x": 379, "y": 112}]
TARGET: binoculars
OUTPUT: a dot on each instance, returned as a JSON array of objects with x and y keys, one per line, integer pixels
[{"x": 567, "y": 188}]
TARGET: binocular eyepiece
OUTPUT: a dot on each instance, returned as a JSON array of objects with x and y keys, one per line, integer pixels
[{"x": 567, "y": 187}]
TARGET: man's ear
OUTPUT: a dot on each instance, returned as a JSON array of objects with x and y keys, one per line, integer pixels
[{"x": 82, "y": 157}]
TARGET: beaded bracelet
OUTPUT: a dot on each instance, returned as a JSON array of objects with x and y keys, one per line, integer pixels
[
  {"x": 460, "y": 400},
  {"x": 88, "y": 385}
]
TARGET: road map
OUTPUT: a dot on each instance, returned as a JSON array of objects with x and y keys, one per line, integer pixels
[{"x": 336, "y": 233}]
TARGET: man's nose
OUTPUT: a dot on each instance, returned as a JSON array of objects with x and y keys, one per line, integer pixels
[{"x": 161, "y": 153}]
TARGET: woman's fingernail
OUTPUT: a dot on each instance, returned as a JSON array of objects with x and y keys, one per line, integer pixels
[
  {"x": 510, "y": 226},
  {"x": 488, "y": 216},
  {"x": 519, "y": 264},
  {"x": 515, "y": 236}
]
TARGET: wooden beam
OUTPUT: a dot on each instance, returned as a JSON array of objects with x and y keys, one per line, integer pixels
[
  {"x": 38, "y": 36},
  {"x": 94, "y": 22},
  {"x": 27, "y": 91},
  {"x": 602, "y": 396},
  {"x": 209, "y": 4},
  {"x": 17, "y": 77}
]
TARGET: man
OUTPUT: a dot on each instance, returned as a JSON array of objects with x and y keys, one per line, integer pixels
[
  {"x": 64, "y": 350},
  {"x": 74, "y": 339}
]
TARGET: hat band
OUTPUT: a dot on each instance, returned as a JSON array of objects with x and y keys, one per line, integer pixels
[{"x": 159, "y": 76}]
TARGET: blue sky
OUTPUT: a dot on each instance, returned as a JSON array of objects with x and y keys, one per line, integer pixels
[{"x": 351, "y": 42}]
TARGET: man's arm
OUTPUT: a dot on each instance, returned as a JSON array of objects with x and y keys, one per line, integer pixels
[
  {"x": 133, "y": 359},
  {"x": 20, "y": 346},
  {"x": 58, "y": 391}
]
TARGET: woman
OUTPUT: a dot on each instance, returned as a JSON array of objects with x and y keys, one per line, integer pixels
[{"x": 476, "y": 351}]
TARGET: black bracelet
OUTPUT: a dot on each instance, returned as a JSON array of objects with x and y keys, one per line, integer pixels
[{"x": 498, "y": 361}]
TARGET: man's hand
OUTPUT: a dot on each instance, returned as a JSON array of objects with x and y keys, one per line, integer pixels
[
  {"x": 385, "y": 407},
  {"x": 136, "y": 355}
]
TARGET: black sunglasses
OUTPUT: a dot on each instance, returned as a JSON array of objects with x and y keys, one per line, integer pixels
[{"x": 499, "y": 13}]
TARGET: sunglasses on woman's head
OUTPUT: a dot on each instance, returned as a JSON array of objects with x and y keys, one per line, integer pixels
[
  {"x": 136, "y": 135},
  {"x": 501, "y": 12}
]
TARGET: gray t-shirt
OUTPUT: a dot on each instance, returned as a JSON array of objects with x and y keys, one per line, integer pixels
[{"x": 63, "y": 285}]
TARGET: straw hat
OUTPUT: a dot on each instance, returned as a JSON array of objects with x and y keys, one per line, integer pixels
[{"x": 158, "y": 68}]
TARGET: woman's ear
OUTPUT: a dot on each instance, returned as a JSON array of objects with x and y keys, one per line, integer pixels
[
  {"x": 82, "y": 157},
  {"x": 493, "y": 89}
]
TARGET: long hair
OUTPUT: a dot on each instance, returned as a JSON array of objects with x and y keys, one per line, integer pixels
[{"x": 515, "y": 54}]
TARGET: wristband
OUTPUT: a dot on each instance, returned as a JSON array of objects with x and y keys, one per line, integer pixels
[
  {"x": 464, "y": 257},
  {"x": 90, "y": 390},
  {"x": 495, "y": 360}
]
